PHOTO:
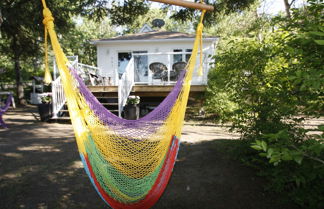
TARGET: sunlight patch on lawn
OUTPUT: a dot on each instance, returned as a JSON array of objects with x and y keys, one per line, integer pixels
[
  {"x": 19, "y": 173},
  {"x": 41, "y": 148},
  {"x": 76, "y": 165},
  {"x": 13, "y": 154}
]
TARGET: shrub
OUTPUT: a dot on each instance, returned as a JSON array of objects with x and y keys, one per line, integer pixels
[{"x": 267, "y": 86}]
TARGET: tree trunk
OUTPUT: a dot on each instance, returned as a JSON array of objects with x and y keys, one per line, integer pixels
[
  {"x": 287, "y": 8},
  {"x": 1, "y": 19},
  {"x": 19, "y": 84}
]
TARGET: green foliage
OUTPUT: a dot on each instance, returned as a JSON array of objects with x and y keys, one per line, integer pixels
[
  {"x": 155, "y": 13},
  {"x": 22, "y": 34},
  {"x": 124, "y": 13},
  {"x": 296, "y": 165},
  {"x": 133, "y": 100},
  {"x": 273, "y": 75},
  {"x": 243, "y": 24},
  {"x": 219, "y": 104},
  {"x": 47, "y": 99},
  {"x": 77, "y": 41},
  {"x": 221, "y": 7}
]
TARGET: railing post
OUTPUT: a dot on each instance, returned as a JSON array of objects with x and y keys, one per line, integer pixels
[
  {"x": 125, "y": 85},
  {"x": 169, "y": 67},
  {"x": 54, "y": 99},
  {"x": 58, "y": 97},
  {"x": 119, "y": 98},
  {"x": 54, "y": 70}
]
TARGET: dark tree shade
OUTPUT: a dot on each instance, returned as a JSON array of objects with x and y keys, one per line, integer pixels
[{"x": 22, "y": 31}]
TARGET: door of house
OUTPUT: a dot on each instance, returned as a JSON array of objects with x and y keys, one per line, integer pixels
[{"x": 140, "y": 66}]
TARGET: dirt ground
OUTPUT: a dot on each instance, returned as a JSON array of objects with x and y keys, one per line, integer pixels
[{"x": 40, "y": 168}]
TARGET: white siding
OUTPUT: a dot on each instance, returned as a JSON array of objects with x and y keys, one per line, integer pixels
[{"x": 107, "y": 54}]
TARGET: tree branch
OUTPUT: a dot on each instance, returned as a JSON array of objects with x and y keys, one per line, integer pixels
[
  {"x": 308, "y": 156},
  {"x": 291, "y": 2}
]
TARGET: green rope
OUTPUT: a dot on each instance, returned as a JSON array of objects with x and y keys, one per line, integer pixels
[{"x": 111, "y": 179}]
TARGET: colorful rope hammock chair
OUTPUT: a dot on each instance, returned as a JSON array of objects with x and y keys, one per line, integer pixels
[
  {"x": 129, "y": 162},
  {"x": 4, "y": 109}
]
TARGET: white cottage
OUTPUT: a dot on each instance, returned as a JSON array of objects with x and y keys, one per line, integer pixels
[
  {"x": 146, "y": 64},
  {"x": 149, "y": 57}
]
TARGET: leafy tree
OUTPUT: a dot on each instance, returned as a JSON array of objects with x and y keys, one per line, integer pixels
[
  {"x": 77, "y": 41},
  {"x": 123, "y": 12},
  {"x": 155, "y": 13},
  {"x": 21, "y": 34},
  {"x": 288, "y": 7},
  {"x": 221, "y": 8},
  {"x": 275, "y": 82}
]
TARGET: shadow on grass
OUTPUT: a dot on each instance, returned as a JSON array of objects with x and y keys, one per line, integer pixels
[{"x": 38, "y": 173}]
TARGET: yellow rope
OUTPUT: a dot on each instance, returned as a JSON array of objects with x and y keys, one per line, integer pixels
[
  {"x": 48, "y": 18},
  {"x": 200, "y": 70},
  {"x": 132, "y": 158}
]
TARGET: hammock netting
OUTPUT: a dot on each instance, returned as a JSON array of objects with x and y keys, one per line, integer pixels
[
  {"x": 129, "y": 162},
  {"x": 3, "y": 109}
]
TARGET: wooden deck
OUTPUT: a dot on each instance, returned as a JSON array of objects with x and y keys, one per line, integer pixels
[{"x": 147, "y": 90}]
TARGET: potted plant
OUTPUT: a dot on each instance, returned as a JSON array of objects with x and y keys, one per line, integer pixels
[
  {"x": 45, "y": 108},
  {"x": 132, "y": 110}
]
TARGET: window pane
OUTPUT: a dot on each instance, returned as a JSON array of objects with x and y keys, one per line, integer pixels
[
  {"x": 141, "y": 66},
  {"x": 177, "y": 57},
  {"x": 188, "y": 55}
]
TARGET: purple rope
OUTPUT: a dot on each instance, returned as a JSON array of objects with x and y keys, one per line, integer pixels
[
  {"x": 4, "y": 109},
  {"x": 7, "y": 104},
  {"x": 145, "y": 125}
]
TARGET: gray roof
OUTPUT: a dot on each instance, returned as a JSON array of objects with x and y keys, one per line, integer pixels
[{"x": 154, "y": 35}]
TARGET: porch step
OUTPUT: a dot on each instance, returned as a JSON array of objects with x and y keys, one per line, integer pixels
[
  {"x": 105, "y": 94},
  {"x": 110, "y": 104},
  {"x": 61, "y": 119},
  {"x": 105, "y": 97}
]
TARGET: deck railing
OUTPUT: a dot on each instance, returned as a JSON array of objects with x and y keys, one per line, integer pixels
[
  {"x": 87, "y": 73},
  {"x": 90, "y": 74},
  {"x": 58, "y": 97},
  {"x": 126, "y": 83}
]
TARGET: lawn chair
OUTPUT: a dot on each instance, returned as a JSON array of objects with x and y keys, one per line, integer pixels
[
  {"x": 176, "y": 70},
  {"x": 158, "y": 69}
]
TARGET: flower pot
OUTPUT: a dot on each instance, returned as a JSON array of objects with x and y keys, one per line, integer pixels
[
  {"x": 45, "y": 111},
  {"x": 131, "y": 112}
]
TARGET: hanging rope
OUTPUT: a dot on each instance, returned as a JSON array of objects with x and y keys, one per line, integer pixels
[
  {"x": 128, "y": 162},
  {"x": 48, "y": 22}
]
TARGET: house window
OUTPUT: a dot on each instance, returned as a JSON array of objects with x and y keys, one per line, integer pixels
[
  {"x": 177, "y": 57},
  {"x": 140, "y": 66},
  {"x": 123, "y": 60},
  {"x": 187, "y": 55},
  {"x": 183, "y": 57}
]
